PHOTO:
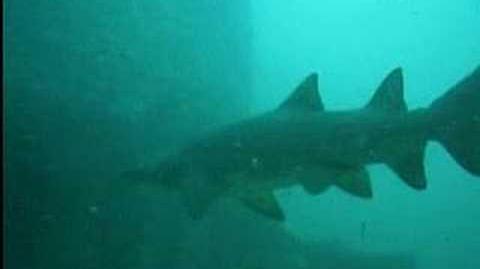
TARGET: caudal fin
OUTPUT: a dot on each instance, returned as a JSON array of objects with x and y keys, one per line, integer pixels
[{"x": 456, "y": 122}]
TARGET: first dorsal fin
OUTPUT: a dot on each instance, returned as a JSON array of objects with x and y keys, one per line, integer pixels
[
  {"x": 305, "y": 97},
  {"x": 389, "y": 95}
]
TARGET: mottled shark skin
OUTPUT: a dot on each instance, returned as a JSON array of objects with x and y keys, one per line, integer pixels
[{"x": 302, "y": 143}]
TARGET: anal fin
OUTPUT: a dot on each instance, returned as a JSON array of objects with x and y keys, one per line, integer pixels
[
  {"x": 410, "y": 169},
  {"x": 407, "y": 163}
]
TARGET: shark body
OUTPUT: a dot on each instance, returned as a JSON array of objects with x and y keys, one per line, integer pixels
[{"x": 302, "y": 143}]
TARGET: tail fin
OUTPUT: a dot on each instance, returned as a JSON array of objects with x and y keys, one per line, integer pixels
[{"x": 456, "y": 122}]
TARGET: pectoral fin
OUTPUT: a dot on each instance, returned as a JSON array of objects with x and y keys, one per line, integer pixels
[
  {"x": 407, "y": 162},
  {"x": 265, "y": 203}
]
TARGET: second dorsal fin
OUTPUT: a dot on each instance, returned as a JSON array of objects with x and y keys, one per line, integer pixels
[
  {"x": 305, "y": 97},
  {"x": 389, "y": 95}
]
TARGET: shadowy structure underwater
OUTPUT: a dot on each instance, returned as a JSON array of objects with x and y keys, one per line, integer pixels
[{"x": 232, "y": 237}]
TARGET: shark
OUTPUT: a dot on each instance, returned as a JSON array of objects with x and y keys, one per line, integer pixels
[{"x": 302, "y": 143}]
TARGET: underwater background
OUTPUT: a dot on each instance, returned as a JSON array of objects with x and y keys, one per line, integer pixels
[{"x": 95, "y": 88}]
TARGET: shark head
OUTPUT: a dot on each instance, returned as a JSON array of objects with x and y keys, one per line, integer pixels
[
  {"x": 196, "y": 187},
  {"x": 171, "y": 173}
]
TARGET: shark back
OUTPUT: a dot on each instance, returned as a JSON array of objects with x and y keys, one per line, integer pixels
[{"x": 340, "y": 144}]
